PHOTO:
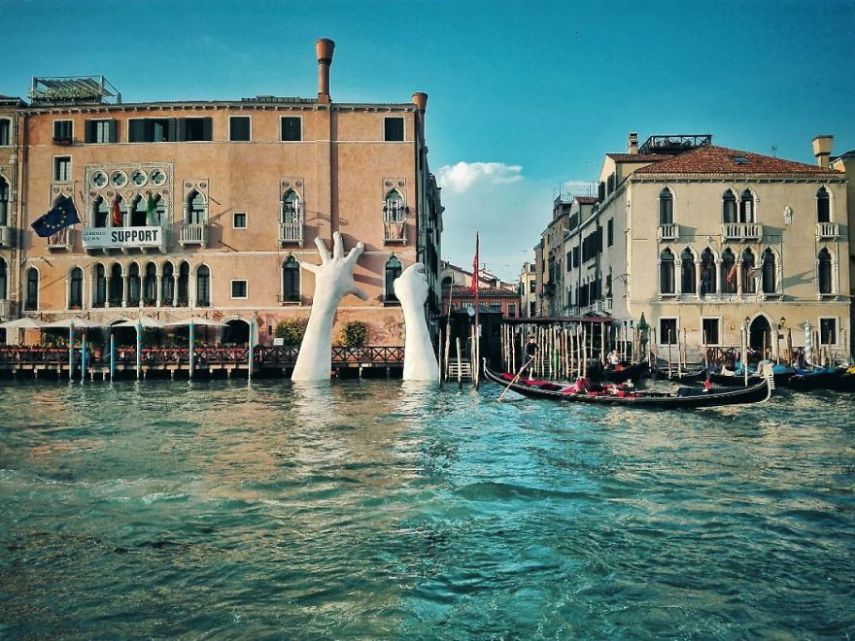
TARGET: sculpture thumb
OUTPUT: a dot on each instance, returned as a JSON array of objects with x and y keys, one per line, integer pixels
[{"x": 356, "y": 291}]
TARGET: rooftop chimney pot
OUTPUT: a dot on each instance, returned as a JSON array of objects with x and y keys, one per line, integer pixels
[
  {"x": 324, "y": 52},
  {"x": 632, "y": 143},
  {"x": 822, "y": 149},
  {"x": 420, "y": 99}
]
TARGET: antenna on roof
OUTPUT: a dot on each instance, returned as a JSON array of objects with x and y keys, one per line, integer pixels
[{"x": 774, "y": 151}]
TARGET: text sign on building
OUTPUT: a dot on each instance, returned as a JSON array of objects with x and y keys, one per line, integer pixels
[{"x": 123, "y": 237}]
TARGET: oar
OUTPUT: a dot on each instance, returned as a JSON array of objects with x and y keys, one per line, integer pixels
[{"x": 516, "y": 378}]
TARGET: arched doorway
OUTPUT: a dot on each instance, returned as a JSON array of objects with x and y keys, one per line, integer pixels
[
  {"x": 125, "y": 336},
  {"x": 760, "y": 334},
  {"x": 236, "y": 332}
]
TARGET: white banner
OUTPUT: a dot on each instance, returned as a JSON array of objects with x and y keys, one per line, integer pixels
[{"x": 120, "y": 237}]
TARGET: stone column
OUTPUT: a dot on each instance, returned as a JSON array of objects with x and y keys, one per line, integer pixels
[
  {"x": 108, "y": 278},
  {"x": 157, "y": 286},
  {"x": 698, "y": 278}
]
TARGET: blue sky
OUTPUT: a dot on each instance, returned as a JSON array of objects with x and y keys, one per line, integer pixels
[{"x": 524, "y": 96}]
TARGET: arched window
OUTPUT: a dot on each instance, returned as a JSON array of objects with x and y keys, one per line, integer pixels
[
  {"x": 707, "y": 272},
  {"x": 134, "y": 285},
  {"x": 393, "y": 270},
  {"x": 747, "y": 263},
  {"x": 116, "y": 285},
  {"x": 4, "y": 283},
  {"x": 728, "y": 207},
  {"x": 75, "y": 289},
  {"x": 138, "y": 212},
  {"x": 31, "y": 300},
  {"x": 687, "y": 272},
  {"x": 769, "y": 272},
  {"x": 393, "y": 209},
  {"x": 746, "y": 207},
  {"x": 291, "y": 209},
  {"x": 4, "y": 202},
  {"x": 167, "y": 285},
  {"x": 197, "y": 209},
  {"x": 823, "y": 267},
  {"x": 823, "y": 206},
  {"x": 183, "y": 284},
  {"x": 203, "y": 286},
  {"x": 149, "y": 285},
  {"x": 119, "y": 214},
  {"x": 666, "y": 272},
  {"x": 100, "y": 212},
  {"x": 291, "y": 280},
  {"x": 666, "y": 207},
  {"x": 728, "y": 272},
  {"x": 99, "y": 289}
]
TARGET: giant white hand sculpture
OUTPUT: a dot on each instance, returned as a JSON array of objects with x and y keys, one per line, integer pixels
[
  {"x": 411, "y": 288},
  {"x": 333, "y": 281}
]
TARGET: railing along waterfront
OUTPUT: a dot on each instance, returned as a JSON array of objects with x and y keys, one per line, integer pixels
[{"x": 204, "y": 357}]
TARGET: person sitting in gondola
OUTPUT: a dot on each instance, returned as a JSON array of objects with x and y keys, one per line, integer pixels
[
  {"x": 707, "y": 383},
  {"x": 614, "y": 360}
]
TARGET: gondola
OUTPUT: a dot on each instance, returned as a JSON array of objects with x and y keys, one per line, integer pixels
[
  {"x": 684, "y": 398},
  {"x": 695, "y": 375},
  {"x": 625, "y": 371}
]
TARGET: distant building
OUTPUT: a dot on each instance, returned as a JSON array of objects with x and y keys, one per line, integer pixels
[
  {"x": 10, "y": 175},
  {"x": 528, "y": 291},
  {"x": 704, "y": 240},
  {"x": 192, "y": 208},
  {"x": 494, "y": 294},
  {"x": 846, "y": 163},
  {"x": 577, "y": 291}
]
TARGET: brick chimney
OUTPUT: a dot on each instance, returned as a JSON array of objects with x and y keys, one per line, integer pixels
[
  {"x": 822, "y": 149},
  {"x": 420, "y": 99},
  {"x": 632, "y": 143},
  {"x": 324, "y": 52}
]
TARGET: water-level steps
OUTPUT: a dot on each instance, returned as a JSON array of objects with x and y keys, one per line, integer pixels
[{"x": 464, "y": 367}]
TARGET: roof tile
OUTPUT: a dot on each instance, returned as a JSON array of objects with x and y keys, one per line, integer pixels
[{"x": 711, "y": 159}]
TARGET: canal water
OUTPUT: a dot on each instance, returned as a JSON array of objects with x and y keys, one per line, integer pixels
[{"x": 379, "y": 510}]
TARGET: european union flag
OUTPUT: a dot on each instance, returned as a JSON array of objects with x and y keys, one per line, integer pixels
[{"x": 61, "y": 216}]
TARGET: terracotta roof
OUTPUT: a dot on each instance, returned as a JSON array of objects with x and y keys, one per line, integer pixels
[
  {"x": 638, "y": 157},
  {"x": 711, "y": 159}
]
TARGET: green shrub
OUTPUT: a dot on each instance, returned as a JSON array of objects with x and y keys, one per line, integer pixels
[
  {"x": 291, "y": 330},
  {"x": 353, "y": 334}
]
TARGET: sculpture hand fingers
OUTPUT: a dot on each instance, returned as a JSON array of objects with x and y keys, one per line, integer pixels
[
  {"x": 309, "y": 267},
  {"x": 338, "y": 246},
  {"x": 322, "y": 250},
  {"x": 355, "y": 253}
]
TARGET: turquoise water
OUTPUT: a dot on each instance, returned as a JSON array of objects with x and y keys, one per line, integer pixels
[{"x": 376, "y": 510}]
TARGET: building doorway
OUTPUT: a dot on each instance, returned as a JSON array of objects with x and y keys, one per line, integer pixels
[
  {"x": 760, "y": 336},
  {"x": 236, "y": 332}
]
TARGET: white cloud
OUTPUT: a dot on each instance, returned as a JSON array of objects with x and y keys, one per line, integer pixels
[
  {"x": 464, "y": 175},
  {"x": 507, "y": 208}
]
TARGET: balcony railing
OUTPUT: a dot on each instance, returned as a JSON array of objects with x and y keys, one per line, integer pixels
[
  {"x": 7, "y": 236},
  {"x": 63, "y": 239},
  {"x": 291, "y": 232},
  {"x": 669, "y": 232},
  {"x": 194, "y": 234},
  {"x": 395, "y": 223},
  {"x": 827, "y": 230},
  {"x": 742, "y": 231}
]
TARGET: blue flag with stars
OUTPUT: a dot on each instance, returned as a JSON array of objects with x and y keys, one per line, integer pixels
[{"x": 61, "y": 216}]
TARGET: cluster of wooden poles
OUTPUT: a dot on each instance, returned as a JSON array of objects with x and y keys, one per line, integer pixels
[
  {"x": 565, "y": 349},
  {"x": 446, "y": 348}
]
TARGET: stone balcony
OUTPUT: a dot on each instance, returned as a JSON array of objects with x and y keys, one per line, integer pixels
[{"x": 742, "y": 231}]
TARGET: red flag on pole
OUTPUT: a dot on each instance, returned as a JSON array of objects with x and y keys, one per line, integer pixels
[
  {"x": 475, "y": 268},
  {"x": 116, "y": 214}
]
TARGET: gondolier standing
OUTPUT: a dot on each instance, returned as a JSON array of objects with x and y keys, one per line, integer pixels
[{"x": 530, "y": 353}]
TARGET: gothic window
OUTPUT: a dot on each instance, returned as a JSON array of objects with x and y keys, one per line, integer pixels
[
  {"x": 203, "y": 286},
  {"x": 394, "y": 207},
  {"x": 728, "y": 272},
  {"x": 100, "y": 212},
  {"x": 728, "y": 207},
  {"x": 183, "y": 284},
  {"x": 687, "y": 272},
  {"x": 666, "y": 207},
  {"x": 167, "y": 284},
  {"x": 291, "y": 208},
  {"x": 99, "y": 291},
  {"x": 666, "y": 272},
  {"x": 707, "y": 272},
  {"x": 4, "y": 202},
  {"x": 769, "y": 272},
  {"x": 31, "y": 300},
  {"x": 748, "y": 263},
  {"x": 134, "y": 285},
  {"x": 116, "y": 285},
  {"x": 197, "y": 209},
  {"x": 75, "y": 289},
  {"x": 149, "y": 285},
  {"x": 393, "y": 270},
  {"x": 824, "y": 271},
  {"x": 291, "y": 280},
  {"x": 823, "y": 208},
  {"x": 746, "y": 207}
]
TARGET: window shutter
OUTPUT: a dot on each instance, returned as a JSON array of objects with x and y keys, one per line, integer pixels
[
  {"x": 182, "y": 129},
  {"x": 207, "y": 129},
  {"x": 136, "y": 130},
  {"x": 114, "y": 131},
  {"x": 89, "y": 131},
  {"x": 172, "y": 129}
]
